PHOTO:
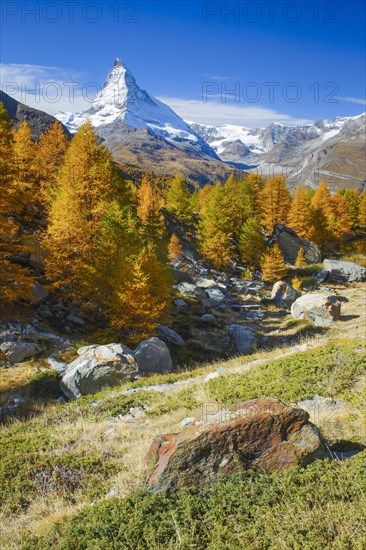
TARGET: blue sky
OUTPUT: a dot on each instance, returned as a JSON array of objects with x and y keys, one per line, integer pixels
[{"x": 285, "y": 61}]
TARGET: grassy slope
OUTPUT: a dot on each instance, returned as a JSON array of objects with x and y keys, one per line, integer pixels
[{"x": 70, "y": 456}]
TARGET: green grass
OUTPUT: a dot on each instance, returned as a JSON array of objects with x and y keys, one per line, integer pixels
[
  {"x": 316, "y": 508},
  {"x": 332, "y": 371}
]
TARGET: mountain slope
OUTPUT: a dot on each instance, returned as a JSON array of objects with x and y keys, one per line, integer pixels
[
  {"x": 142, "y": 130},
  {"x": 38, "y": 121},
  {"x": 331, "y": 149}
]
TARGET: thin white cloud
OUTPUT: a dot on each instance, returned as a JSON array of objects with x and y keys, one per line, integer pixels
[
  {"x": 214, "y": 113},
  {"x": 349, "y": 99},
  {"x": 49, "y": 89}
]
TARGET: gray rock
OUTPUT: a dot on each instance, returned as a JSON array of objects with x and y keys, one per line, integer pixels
[
  {"x": 153, "y": 355},
  {"x": 178, "y": 302},
  {"x": 321, "y": 309},
  {"x": 207, "y": 318},
  {"x": 216, "y": 295},
  {"x": 344, "y": 272},
  {"x": 243, "y": 337},
  {"x": 57, "y": 365},
  {"x": 7, "y": 336},
  {"x": 17, "y": 400},
  {"x": 283, "y": 294},
  {"x": 16, "y": 352},
  {"x": 98, "y": 368},
  {"x": 169, "y": 336},
  {"x": 321, "y": 275},
  {"x": 74, "y": 320},
  {"x": 190, "y": 290},
  {"x": 38, "y": 292},
  {"x": 206, "y": 283},
  {"x": 290, "y": 244}
]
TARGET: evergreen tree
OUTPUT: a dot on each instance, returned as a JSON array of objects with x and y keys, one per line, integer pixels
[
  {"x": 362, "y": 210},
  {"x": 352, "y": 199},
  {"x": 275, "y": 202},
  {"x": 215, "y": 242},
  {"x": 178, "y": 200},
  {"x": 148, "y": 210},
  {"x": 141, "y": 296},
  {"x": 15, "y": 281},
  {"x": 339, "y": 219},
  {"x": 273, "y": 265},
  {"x": 50, "y": 151},
  {"x": 252, "y": 243},
  {"x": 320, "y": 211},
  {"x": 175, "y": 250},
  {"x": 300, "y": 261},
  {"x": 25, "y": 167},
  {"x": 299, "y": 214},
  {"x": 87, "y": 185}
]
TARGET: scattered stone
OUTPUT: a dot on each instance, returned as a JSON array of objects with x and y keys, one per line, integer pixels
[
  {"x": 98, "y": 368},
  {"x": 320, "y": 276},
  {"x": 254, "y": 315},
  {"x": 243, "y": 336},
  {"x": 38, "y": 292},
  {"x": 178, "y": 302},
  {"x": 344, "y": 272},
  {"x": 57, "y": 365},
  {"x": 283, "y": 294},
  {"x": 207, "y": 318},
  {"x": 206, "y": 283},
  {"x": 190, "y": 290},
  {"x": 321, "y": 309},
  {"x": 215, "y": 295},
  {"x": 7, "y": 336},
  {"x": 17, "y": 400},
  {"x": 74, "y": 320},
  {"x": 169, "y": 336},
  {"x": 290, "y": 244},
  {"x": 16, "y": 352},
  {"x": 187, "y": 421},
  {"x": 260, "y": 434},
  {"x": 153, "y": 355}
]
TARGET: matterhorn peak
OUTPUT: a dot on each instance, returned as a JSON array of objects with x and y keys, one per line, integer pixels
[{"x": 122, "y": 101}]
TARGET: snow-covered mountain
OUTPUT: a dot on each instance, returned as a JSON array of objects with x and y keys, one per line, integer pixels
[
  {"x": 140, "y": 129},
  {"x": 334, "y": 149},
  {"x": 121, "y": 99}
]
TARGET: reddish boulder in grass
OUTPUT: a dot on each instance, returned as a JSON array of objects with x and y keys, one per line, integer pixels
[{"x": 260, "y": 434}]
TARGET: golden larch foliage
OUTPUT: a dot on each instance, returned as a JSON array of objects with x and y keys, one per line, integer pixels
[
  {"x": 273, "y": 265},
  {"x": 300, "y": 261},
  {"x": 175, "y": 250},
  {"x": 299, "y": 214},
  {"x": 275, "y": 202}
]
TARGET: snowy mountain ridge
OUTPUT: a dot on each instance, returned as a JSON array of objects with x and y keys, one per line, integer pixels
[{"x": 121, "y": 98}]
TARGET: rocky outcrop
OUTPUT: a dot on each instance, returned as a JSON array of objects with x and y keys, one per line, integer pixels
[
  {"x": 261, "y": 434},
  {"x": 321, "y": 309},
  {"x": 244, "y": 337},
  {"x": 16, "y": 352},
  {"x": 98, "y": 368},
  {"x": 283, "y": 294},
  {"x": 153, "y": 355},
  {"x": 290, "y": 244},
  {"x": 344, "y": 272}
]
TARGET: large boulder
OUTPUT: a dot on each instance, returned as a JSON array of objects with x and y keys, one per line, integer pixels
[
  {"x": 321, "y": 309},
  {"x": 169, "y": 336},
  {"x": 284, "y": 295},
  {"x": 98, "y": 368},
  {"x": 243, "y": 337},
  {"x": 290, "y": 244},
  {"x": 344, "y": 272},
  {"x": 260, "y": 434},
  {"x": 16, "y": 352},
  {"x": 153, "y": 355}
]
